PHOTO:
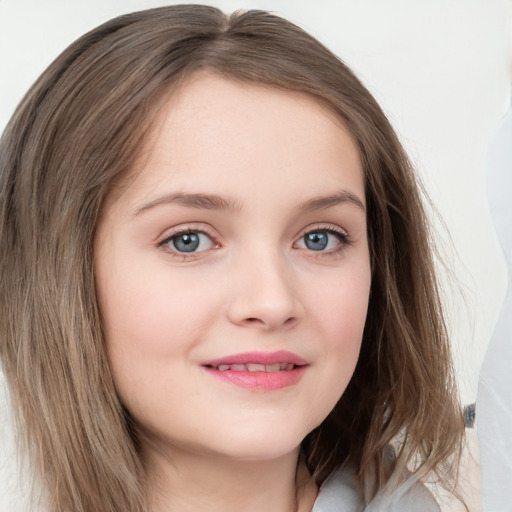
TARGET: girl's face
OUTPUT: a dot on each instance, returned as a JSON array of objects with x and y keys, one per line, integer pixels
[{"x": 233, "y": 271}]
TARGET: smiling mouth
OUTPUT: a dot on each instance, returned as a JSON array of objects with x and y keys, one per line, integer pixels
[{"x": 259, "y": 371}]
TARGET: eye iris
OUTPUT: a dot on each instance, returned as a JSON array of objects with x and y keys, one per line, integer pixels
[
  {"x": 316, "y": 241},
  {"x": 187, "y": 242}
]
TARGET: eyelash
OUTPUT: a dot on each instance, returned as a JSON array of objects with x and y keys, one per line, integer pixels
[
  {"x": 343, "y": 237},
  {"x": 186, "y": 231}
]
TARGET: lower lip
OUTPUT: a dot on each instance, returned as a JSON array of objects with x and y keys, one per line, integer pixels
[{"x": 262, "y": 381}]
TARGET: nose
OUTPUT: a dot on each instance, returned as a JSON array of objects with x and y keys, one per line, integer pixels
[{"x": 264, "y": 294}]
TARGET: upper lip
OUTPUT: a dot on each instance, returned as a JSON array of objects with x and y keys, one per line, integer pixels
[{"x": 281, "y": 356}]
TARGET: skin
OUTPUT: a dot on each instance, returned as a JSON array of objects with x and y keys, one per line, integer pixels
[{"x": 253, "y": 284}]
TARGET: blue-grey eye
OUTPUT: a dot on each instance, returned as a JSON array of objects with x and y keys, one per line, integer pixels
[
  {"x": 316, "y": 241},
  {"x": 193, "y": 241},
  {"x": 320, "y": 240}
]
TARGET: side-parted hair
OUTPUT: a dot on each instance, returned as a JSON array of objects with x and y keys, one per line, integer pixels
[{"x": 80, "y": 129}]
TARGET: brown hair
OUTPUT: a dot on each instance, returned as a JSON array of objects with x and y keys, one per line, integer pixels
[{"x": 79, "y": 128}]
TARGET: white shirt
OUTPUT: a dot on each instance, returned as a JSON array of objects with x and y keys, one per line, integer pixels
[{"x": 340, "y": 493}]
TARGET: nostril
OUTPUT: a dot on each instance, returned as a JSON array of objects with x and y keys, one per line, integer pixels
[
  {"x": 261, "y": 322},
  {"x": 253, "y": 320}
]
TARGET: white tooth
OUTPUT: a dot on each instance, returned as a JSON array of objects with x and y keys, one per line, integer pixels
[
  {"x": 272, "y": 367},
  {"x": 282, "y": 366},
  {"x": 223, "y": 367},
  {"x": 238, "y": 367},
  {"x": 254, "y": 367},
  {"x": 289, "y": 366}
]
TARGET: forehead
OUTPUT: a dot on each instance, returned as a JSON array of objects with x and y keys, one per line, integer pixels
[{"x": 217, "y": 132}]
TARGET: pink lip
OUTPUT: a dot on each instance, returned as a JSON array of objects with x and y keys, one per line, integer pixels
[
  {"x": 281, "y": 356},
  {"x": 259, "y": 380}
]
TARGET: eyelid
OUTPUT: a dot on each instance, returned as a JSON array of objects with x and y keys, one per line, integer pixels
[
  {"x": 330, "y": 228},
  {"x": 344, "y": 237},
  {"x": 171, "y": 233}
]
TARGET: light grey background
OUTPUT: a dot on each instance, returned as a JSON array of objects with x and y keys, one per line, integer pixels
[{"x": 440, "y": 69}]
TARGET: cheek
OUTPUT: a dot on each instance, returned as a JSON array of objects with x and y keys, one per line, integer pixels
[
  {"x": 340, "y": 311},
  {"x": 156, "y": 312},
  {"x": 341, "y": 307},
  {"x": 151, "y": 324}
]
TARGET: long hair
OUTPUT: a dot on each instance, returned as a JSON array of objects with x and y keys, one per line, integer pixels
[{"x": 78, "y": 129}]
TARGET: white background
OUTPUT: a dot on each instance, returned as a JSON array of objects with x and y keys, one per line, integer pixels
[{"x": 441, "y": 69}]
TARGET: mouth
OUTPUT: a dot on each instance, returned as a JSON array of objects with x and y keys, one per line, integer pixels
[{"x": 258, "y": 370}]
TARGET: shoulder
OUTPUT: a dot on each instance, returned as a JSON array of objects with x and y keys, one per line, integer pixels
[{"x": 341, "y": 493}]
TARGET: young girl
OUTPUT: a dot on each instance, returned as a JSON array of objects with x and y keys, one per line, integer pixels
[{"x": 217, "y": 287}]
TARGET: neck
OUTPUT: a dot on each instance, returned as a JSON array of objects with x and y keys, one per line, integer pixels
[{"x": 186, "y": 482}]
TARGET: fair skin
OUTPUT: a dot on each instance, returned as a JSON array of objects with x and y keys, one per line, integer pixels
[{"x": 233, "y": 276}]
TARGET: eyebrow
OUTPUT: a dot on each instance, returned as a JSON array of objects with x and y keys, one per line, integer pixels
[
  {"x": 199, "y": 201},
  {"x": 324, "y": 202},
  {"x": 216, "y": 202}
]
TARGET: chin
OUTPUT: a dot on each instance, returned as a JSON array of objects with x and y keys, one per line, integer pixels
[
  {"x": 259, "y": 444},
  {"x": 256, "y": 436}
]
